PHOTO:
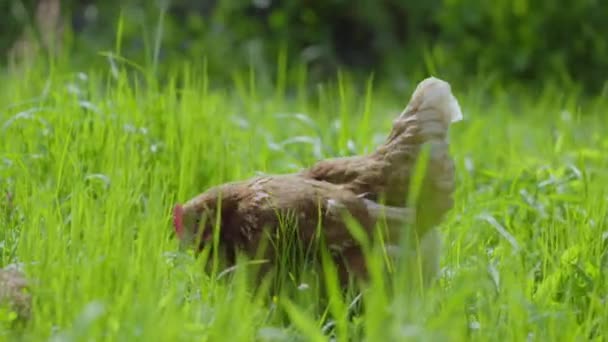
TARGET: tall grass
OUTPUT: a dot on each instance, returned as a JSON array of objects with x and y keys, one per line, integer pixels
[{"x": 95, "y": 161}]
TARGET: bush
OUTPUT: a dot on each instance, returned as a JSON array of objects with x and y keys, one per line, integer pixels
[
  {"x": 527, "y": 39},
  {"x": 516, "y": 40}
]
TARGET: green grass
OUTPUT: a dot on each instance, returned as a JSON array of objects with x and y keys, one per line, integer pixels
[{"x": 96, "y": 163}]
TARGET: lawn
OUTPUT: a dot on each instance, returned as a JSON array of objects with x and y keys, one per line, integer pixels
[{"x": 93, "y": 162}]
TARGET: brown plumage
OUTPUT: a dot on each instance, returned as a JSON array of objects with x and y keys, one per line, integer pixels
[
  {"x": 385, "y": 174},
  {"x": 368, "y": 188},
  {"x": 252, "y": 211}
]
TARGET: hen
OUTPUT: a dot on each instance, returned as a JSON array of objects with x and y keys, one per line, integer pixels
[{"x": 368, "y": 188}]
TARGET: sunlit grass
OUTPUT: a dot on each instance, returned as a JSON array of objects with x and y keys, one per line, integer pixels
[{"x": 95, "y": 161}]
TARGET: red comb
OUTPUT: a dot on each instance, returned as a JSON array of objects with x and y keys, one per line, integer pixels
[{"x": 178, "y": 220}]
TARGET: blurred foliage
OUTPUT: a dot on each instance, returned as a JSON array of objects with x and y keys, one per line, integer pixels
[
  {"x": 12, "y": 20},
  {"x": 519, "y": 40},
  {"x": 528, "y": 39}
]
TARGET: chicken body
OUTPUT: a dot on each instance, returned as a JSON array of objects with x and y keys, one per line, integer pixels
[
  {"x": 251, "y": 213},
  {"x": 364, "y": 186}
]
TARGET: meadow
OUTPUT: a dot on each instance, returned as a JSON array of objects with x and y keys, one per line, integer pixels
[{"x": 92, "y": 162}]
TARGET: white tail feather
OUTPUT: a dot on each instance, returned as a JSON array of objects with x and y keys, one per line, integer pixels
[{"x": 435, "y": 93}]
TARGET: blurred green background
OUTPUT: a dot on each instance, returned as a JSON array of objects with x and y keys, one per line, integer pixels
[{"x": 519, "y": 41}]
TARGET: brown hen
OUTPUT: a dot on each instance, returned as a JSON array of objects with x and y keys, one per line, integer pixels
[{"x": 367, "y": 188}]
